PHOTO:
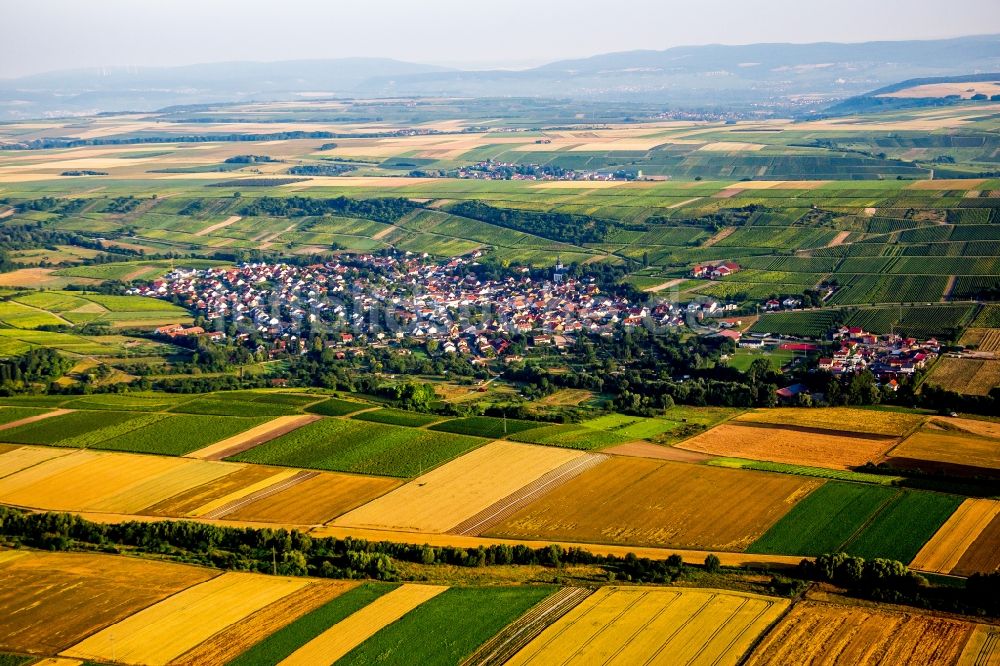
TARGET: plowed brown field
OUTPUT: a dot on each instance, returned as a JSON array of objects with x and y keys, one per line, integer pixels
[
  {"x": 49, "y": 601},
  {"x": 849, "y": 635}
]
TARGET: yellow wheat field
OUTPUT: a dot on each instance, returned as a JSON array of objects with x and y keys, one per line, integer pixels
[
  {"x": 64, "y": 484},
  {"x": 243, "y": 492},
  {"x": 23, "y": 457},
  {"x": 444, "y": 497},
  {"x": 837, "y": 418},
  {"x": 156, "y": 488},
  {"x": 949, "y": 448},
  {"x": 945, "y": 549},
  {"x": 170, "y": 628},
  {"x": 355, "y": 629},
  {"x": 654, "y": 626}
]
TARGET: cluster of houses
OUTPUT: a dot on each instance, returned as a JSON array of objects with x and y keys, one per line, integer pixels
[
  {"x": 888, "y": 357},
  {"x": 362, "y": 300},
  {"x": 715, "y": 271},
  {"x": 496, "y": 170}
]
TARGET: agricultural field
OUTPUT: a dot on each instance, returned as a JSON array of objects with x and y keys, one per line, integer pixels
[
  {"x": 82, "y": 591},
  {"x": 944, "y": 450},
  {"x": 845, "y": 419},
  {"x": 623, "y": 625},
  {"x": 644, "y": 502},
  {"x": 856, "y": 635},
  {"x": 361, "y": 447},
  {"x": 967, "y": 538},
  {"x": 398, "y": 417},
  {"x": 485, "y": 426},
  {"x": 488, "y": 480},
  {"x": 860, "y": 519},
  {"x": 789, "y": 444},
  {"x": 164, "y": 631},
  {"x": 966, "y": 375}
]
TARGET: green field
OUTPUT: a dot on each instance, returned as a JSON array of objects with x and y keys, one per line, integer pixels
[
  {"x": 180, "y": 434},
  {"x": 485, "y": 426},
  {"x": 336, "y": 407},
  {"x": 823, "y": 521},
  {"x": 79, "y": 429},
  {"x": 361, "y": 447},
  {"x": 288, "y": 639},
  {"x": 447, "y": 628},
  {"x": 571, "y": 437},
  {"x": 11, "y": 414},
  {"x": 220, "y": 405},
  {"x": 398, "y": 417}
]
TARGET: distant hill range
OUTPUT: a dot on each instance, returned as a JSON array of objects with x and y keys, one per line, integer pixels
[
  {"x": 922, "y": 92},
  {"x": 690, "y": 77}
]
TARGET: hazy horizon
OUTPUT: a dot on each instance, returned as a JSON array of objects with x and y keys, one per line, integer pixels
[{"x": 157, "y": 33}]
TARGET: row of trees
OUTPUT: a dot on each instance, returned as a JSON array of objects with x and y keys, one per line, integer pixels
[
  {"x": 36, "y": 365},
  {"x": 387, "y": 209}
]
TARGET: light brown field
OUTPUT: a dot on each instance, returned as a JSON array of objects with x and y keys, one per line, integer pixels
[
  {"x": 831, "y": 634},
  {"x": 946, "y": 184},
  {"x": 22, "y": 457},
  {"x": 949, "y": 544},
  {"x": 966, "y": 375},
  {"x": 240, "y": 636},
  {"x": 983, "y": 648},
  {"x": 839, "y": 239},
  {"x": 37, "y": 277},
  {"x": 566, "y": 397},
  {"x": 972, "y": 426},
  {"x": 49, "y": 601},
  {"x": 984, "y": 339},
  {"x": 984, "y": 553},
  {"x": 837, "y": 418},
  {"x": 316, "y": 500},
  {"x": 355, "y": 629},
  {"x": 644, "y": 449},
  {"x": 965, "y": 90},
  {"x": 954, "y": 449},
  {"x": 452, "y": 493},
  {"x": 183, "y": 504},
  {"x": 654, "y": 626},
  {"x": 255, "y": 436},
  {"x": 790, "y": 445},
  {"x": 165, "y": 631},
  {"x": 277, "y": 478},
  {"x": 576, "y": 184},
  {"x": 730, "y": 146},
  {"x": 232, "y": 219},
  {"x": 644, "y": 502}
]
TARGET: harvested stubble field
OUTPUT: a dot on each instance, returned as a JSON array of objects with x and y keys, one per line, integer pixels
[
  {"x": 237, "y": 638},
  {"x": 361, "y": 447},
  {"x": 960, "y": 540},
  {"x": 966, "y": 375},
  {"x": 449, "y": 495},
  {"x": 232, "y": 485},
  {"x": 819, "y": 632},
  {"x": 352, "y": 631},
  {"x": 82, "y": 592},
  {"x": 655, "y": 625},
  {"x": 644, "y": 502},
  {"x": 459, "y": 619},
  {"x": 789, "y": 444},
  {"x": 950, "y": 449},
  {"x": 168, "y": 629},
  {"x": 315, "y": 500},
  {"x": 849, "y": 419}
]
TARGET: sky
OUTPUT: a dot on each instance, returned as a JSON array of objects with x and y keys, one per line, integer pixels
[{"x": 70, "y": 34}]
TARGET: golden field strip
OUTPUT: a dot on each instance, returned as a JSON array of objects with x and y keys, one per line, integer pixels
[
  {"x": 644, "y": 502},
  {"x": 844, "y": 419},
  {"x": 89, "y": 481},
  {"x": 847, "y": 635},
  {"x": 950, "y": 448},
  {"x": 654, "y": 626},
  {"x": 355, "y": 629},
  {"x": 460, "y": 489},
  {"x": 165, "y": 631},
  {"x": 948, "y": 546},
  {"x": 760, "y": 441}
]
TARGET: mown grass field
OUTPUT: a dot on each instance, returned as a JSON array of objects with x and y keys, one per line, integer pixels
[{"x": 362, "y": 447}]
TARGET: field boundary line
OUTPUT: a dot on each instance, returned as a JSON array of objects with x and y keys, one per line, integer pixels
[
  {"x": 890, "y": 501},
  {"x": 519, "y": 633},
  {"x": 37, "y": 417},
  {"x": 232, "y": 219},
  {"x": 237, "y": 504},
  {"x": 501, "y": 510}
]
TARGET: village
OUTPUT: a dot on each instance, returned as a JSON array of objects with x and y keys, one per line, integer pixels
[{"x": 390, "y": 299}]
